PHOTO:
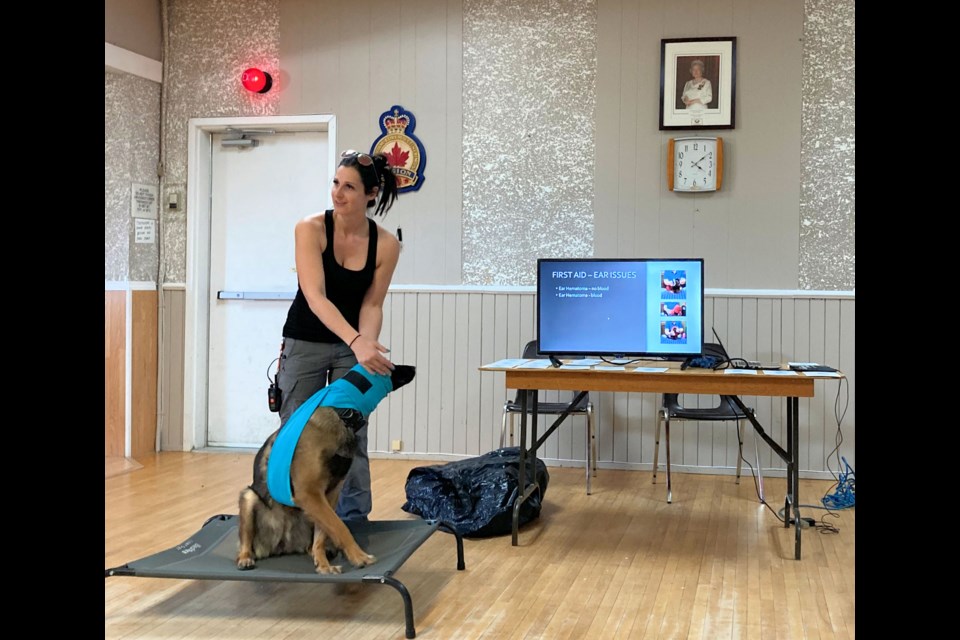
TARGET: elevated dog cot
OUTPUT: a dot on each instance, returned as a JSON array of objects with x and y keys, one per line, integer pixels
[{"x": 211, "y": 554}]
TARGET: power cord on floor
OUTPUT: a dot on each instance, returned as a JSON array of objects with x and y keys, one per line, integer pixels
[
  {"x": 844, "y": 495},
  {"x": 822, "y": 526},
  {"x": 844, "y": 483},
  {"x": 753, "y": 474}
]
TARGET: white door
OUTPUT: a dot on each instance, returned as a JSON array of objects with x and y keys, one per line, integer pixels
[{"x": 257, "y": 196}]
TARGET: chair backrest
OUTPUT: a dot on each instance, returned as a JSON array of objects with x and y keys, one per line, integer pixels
[
  {"x": 715, "y": 350},
  {"x": 530, "y": 352}
]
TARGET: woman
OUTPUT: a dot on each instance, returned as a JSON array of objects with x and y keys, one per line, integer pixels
[
  {"x": 698, "y": 92},
  {"x": 345, "y": 262}
]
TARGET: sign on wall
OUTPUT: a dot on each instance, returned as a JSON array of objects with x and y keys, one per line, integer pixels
[
  {"x": 143, "y": 201},
  {"x": 145, "y": 231},
  {"x": 403, "y": 149}
]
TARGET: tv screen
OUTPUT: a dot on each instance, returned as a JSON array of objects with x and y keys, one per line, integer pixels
[{"x": 620, "y": 307}]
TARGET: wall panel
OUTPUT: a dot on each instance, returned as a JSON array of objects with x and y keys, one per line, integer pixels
[{"x": 114, "y": 369}]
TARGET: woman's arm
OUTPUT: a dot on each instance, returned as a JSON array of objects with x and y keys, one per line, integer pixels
[
  {"x": 368, "y": 350},
  {"x": 706, "y": 94},
  {"x": 311, "y": 240}
]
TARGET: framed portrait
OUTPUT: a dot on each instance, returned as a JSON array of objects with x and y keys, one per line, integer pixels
[{"x": 698, "y": 83}]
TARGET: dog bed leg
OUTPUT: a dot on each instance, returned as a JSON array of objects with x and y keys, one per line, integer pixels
[
  {"x": 443, "y": 526},
  {"x": 407, "y": 602}
]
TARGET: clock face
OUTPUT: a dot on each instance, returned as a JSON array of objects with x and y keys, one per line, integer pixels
[{"x": 696, "y": 164}]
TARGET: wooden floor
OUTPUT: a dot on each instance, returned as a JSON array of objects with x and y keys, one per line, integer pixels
[
  {"x": 115, "y": 465},
  {"x": 620, "y": 563}
]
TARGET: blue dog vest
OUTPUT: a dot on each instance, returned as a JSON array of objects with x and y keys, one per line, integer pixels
[{"x": 358, "y": 389}]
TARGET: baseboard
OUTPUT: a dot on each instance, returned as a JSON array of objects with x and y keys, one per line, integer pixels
[{"x": 563, "y": 462}]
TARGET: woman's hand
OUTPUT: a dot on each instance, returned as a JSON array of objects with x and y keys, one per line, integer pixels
[{"x": 369, "y": 353}]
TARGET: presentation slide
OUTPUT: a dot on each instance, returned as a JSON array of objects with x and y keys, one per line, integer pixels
[{"x": 620, "y": 306}]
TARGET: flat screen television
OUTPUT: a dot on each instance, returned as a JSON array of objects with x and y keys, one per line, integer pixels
[{"x": 620, "y": 307}]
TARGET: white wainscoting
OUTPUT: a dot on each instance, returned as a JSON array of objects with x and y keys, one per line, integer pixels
[{"x": 453, "y": 410}]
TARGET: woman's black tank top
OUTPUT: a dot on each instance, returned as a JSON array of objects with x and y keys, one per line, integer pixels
[{"x": 345, "y": 289}]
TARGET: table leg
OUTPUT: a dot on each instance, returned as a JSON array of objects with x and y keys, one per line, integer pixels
[
  {"x": 791, "y": 453},
  {"x": 522, "y": 477},
  {"x": 531, "y": 454},
  {"x": 793, "y": 419},
  {"x": 534, "y": 445}
]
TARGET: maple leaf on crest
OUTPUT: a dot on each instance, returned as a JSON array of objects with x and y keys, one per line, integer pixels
[{"x": 397, "y": 157}]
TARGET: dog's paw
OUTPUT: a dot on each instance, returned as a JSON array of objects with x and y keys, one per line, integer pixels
[
  {"x": 362, "y": 559},
  {"x": 323, "y": 565},
  {"x": 329, "y": 569},
  {"x": 246, "y": 562}
]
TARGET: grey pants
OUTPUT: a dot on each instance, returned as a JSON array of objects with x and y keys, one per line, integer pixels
[{"x": 305, "y": 368}]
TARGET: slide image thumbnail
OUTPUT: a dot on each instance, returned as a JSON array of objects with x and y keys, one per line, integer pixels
[
  {"x": 674, "y": 282},
  {"x": 673, "y": 332},
  {"x": 673, "y": 309}
]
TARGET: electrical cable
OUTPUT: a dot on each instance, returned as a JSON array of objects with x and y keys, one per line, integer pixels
[
  {"x": 620, "y": 361},
  {"x": 732, "y": 363},
  {"x": 753, "y": 474},
  {"x": 845, "y": 481},
  {"x": 844, "y": 496},
  {"x": 161, "y": 186},
  {"x": 269, "y": 379}
]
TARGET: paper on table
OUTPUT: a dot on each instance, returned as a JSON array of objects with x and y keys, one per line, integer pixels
[
  {"x": 650, "y": 369},
  {"x": 746, "y": 372},
  {"x": 575, "y": 365},
  {"x": 587, "y": 362},
  {"x": 822, "y": 374},
  {"x": 779, "y": 372},
  {"x": 535, "y": 364},
  {"x": 609, "y": 367},
  {"x": 507, "y": 363}
]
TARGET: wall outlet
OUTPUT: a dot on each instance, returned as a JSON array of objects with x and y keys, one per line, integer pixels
[
  {"x": 396, "y": 445},
  {"x": 175, "y": 198}
]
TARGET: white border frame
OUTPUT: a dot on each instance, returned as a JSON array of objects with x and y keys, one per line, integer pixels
[{"x": 197, "y": 313}]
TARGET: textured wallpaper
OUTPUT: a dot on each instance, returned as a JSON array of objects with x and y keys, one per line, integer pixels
[
  {"x": 828, "y": 147},
  {"x": 211, "y": 43},
  {"x": 529, "y": 108},
  {"x": 131, "y": 126}
]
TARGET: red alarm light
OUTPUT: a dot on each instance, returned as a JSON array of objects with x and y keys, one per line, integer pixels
[{"x": 255, "y": 80}]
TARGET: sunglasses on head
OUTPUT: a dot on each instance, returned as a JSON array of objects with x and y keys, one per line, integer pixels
[{"x": 364, "y": 159}]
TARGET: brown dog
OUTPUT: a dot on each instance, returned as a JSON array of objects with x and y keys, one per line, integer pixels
[{"x": 320, "y": 462}]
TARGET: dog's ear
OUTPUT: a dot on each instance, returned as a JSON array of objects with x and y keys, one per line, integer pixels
[{"x": 402, "y": 374}]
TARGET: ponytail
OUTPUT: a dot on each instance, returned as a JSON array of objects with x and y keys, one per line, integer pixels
[{"x": 388, "y": 185}]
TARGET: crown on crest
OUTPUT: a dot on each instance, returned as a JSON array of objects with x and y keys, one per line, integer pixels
[{"x": 396, "y": 123}]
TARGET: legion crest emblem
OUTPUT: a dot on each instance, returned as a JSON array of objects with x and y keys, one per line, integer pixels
[{"x": 403, "y": 149}]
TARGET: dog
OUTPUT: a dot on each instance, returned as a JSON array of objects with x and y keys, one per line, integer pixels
[{"x": 300, "y": 469}]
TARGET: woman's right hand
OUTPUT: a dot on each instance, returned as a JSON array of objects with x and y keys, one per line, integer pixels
[{"x": 369, "y": 353}]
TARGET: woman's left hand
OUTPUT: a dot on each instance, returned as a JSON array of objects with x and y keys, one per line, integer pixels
[{"x": 369, "y": 353}]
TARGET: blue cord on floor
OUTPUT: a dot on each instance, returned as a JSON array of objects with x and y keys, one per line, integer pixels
[{"x": 845, "y": 494}]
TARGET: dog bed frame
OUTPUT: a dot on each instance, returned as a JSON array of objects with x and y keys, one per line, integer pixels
[{"x": 211, "y": 554}]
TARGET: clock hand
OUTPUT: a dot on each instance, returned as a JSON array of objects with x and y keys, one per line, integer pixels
[{"x": 697, "y": 163}]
